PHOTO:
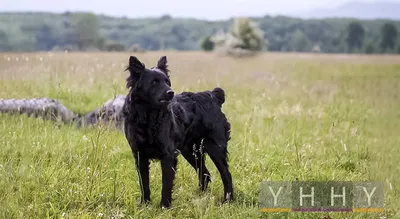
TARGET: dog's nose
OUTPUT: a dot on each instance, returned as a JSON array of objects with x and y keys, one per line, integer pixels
[{"x": 170, "y": 93}]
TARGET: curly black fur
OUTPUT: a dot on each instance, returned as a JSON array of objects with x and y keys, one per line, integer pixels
[{"x": 160, "y": 125}]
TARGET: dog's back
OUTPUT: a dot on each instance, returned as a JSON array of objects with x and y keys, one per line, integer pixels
[{"x": 198, "y": 115}]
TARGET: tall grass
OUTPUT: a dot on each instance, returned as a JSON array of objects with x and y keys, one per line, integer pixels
[{"x": 294, "y": 117}]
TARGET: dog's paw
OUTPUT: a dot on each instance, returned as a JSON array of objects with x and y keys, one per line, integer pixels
[
  {"x": 228, "y": 197},
  {"x": 165, "y": 205},
  {"x": 144, "y": 202}
]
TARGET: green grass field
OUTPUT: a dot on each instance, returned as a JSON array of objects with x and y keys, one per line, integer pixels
[{"x": 294, "y": 117}]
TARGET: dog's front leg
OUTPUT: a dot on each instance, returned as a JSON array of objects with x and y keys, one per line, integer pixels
[
  {"x": 143, "y": 165},
  {"x": 168, "y": 166}
]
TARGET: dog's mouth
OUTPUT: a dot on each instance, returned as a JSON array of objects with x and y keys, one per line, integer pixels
[{"x": 166, "y": 100}]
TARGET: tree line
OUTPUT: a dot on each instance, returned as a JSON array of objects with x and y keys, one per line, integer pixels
[{"x": 87, "y": 31}]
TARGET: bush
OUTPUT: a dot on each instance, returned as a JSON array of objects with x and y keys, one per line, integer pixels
[
  {"x": 136, "y": 48},
  {"x": 244, "y": 39},
  {"x": 369, "y": 48},
  {"x": 114, "y": 47},
  {"x": 250, "y": 36},
  {"x": 316, "y": 49},
  {"x": 207, "y": 44}
]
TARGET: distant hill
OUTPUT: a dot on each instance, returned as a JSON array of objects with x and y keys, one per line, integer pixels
[{"x": 359, "y": 10}]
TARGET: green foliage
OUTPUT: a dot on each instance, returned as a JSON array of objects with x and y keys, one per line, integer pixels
[
  {"x": 355, "y": 35},
  {"x": 369, "y": 48},
  {"x": 85, "y": 27},
  {"x": 101, "y": 43},
  {"x": 136, "y": 48},
  {"x": 243, "y": 39},
  {"x": 4, "y": 44},
  {"x": 299, "y": 42},
  {"x": 249, "y": 35},
  {"x": 114, "y": 47},
  {"x": 389, "y": 36},
  {"x": 207, "y": 44},
  {"x": 46, "y": 31}
]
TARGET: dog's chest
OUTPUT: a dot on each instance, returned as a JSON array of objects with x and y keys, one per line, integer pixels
[
  {"x": 157, "y": 134},
  {"x": 154, "y": 141}
]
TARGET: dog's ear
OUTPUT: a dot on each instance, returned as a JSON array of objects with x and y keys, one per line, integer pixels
[
  {"x": 135, "y": 66},
  {"x": 162, "y": 64}
]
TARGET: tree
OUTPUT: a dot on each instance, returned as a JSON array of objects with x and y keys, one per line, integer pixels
[
  {"x": 85, "y": 28},
  {"x": 43, "y": 31},
  {"x": 398, "y": 48},
  {"x": 299, "y": 42},
  {"x": 251, "y": 37},
  {"x": 4, "y": 44},
  {"x": 165, "y": 17},
  {"x": 101, "y": 43},
  {"x": 369, "y": 48},
  {"x": 114, "y": 46},
  {"x": 244, "y": 39},
  {"x": 45, "y": 37},
  {"x": 355, "y": 36},
  {"x": 388, "y": 36},
  {"x": 17, "y": 41},
  {"x": 207, "y": 44}
]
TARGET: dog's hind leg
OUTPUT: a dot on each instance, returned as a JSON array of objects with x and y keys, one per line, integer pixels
[
  {"x": 143, "y": 165},
  {"x": 217, "y": 149},
  {"x": 196, "y": 158},
  {"x": 168, "y": 168}
]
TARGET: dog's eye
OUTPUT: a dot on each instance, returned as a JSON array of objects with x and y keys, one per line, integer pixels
[
  {"x": 169, "y": 83},
  {"x": 155, "y": 82}
]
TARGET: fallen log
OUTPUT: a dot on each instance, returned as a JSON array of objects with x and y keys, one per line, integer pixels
[{"x": 110, "y": 113}]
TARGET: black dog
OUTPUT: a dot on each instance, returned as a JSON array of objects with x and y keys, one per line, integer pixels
[{"x": 159, "y": 125}]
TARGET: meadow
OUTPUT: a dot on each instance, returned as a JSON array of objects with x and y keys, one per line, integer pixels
[{"x": 294, "y": 117}]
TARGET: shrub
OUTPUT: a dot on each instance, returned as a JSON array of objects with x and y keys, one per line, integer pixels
[
  {"x": 207, "y": 44},
  {"x": 244, "y": 39},
  {"x": 114, "y": 46}
]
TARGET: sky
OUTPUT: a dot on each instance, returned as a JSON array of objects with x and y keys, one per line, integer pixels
[{"x": 201, "y": 9}]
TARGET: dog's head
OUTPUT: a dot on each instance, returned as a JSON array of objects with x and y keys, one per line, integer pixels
[{"x": 150, "y": 85}]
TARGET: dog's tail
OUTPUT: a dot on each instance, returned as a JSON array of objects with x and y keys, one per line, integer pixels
[{"x": 219, "y": 93}]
